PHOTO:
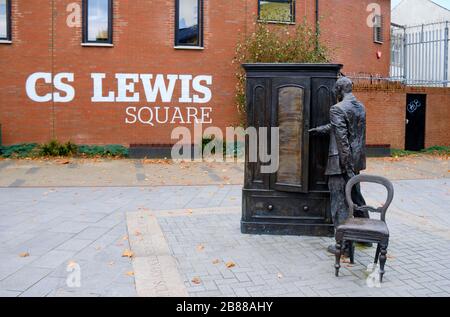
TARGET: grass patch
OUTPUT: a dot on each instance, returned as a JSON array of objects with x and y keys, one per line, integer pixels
[{"x": 434, "y": 150}]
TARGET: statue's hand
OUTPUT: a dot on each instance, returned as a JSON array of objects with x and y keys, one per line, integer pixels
[
  {"x": 350, "y": 174},
  {"x": 314, "y": 130}
]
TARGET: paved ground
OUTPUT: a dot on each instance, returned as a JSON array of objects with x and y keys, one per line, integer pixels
[
  {"x": 418, "y": 263},
  {"x": 106, "y": 172},
  {"x": 181, "y": 237}
]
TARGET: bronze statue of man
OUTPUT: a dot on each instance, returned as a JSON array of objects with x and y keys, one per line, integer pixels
[{"x": 347, "y": 151}]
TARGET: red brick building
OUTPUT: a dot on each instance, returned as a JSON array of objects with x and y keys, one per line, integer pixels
[{"x": 169, "y": 59}]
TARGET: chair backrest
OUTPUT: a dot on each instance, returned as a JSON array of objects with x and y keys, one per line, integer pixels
[{"x": 369, "y": 179}]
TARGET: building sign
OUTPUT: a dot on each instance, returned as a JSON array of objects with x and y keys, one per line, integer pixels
[{"x": 194, "y": 91}]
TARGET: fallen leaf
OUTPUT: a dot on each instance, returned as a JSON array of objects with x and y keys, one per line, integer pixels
[
  {"x": 200, "y": 247},
  {"x": 24, "y": 254},
  {"x": 137, "y": 233},
  {"x": 72, "y": 264},
  {"x": 230, "y": 264},
  {"x": 196, "y": 280},
  {"x": 216, "y": 261},
  {"x": 125, "y": 238},
  {"x": 127, "y": 254},
  {"x": 280, "y": 275},
  {"x": 131, "y": 273}
]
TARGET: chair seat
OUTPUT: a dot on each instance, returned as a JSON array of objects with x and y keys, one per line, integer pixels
[{"x": 364, "y": 225}]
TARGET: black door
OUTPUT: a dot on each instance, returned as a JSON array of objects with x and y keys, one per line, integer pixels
[{"x": 415, "y": 121}]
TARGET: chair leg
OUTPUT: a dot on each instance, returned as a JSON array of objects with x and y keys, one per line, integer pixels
[
  {"x": 383, "y": 258},
  {"x": 352, "y": 252},
  {"x": 377, "y": 254},
  {"x": 337, "y": 266}
]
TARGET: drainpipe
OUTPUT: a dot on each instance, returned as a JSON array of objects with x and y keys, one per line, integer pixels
[
  {"x": 53, "y": 65},
  {"x": 317, "y": 24}
]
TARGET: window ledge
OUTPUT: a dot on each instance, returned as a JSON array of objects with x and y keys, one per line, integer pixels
[
  {"x": 97, "y": 44},
  {"x": 5, "y": 42},
  {"x": 378, "y": 42},
  {"x": 181, "y": 47},
  {"x": 275, "y": 22}
]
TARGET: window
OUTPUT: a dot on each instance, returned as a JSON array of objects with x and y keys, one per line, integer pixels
[
  {"x": 276, "y": 11},
  {"x": 97, "y": 21},
  {"x": 5, "y": 20},
  {"x": 189, "y": 23},
  {"x": 378, "y": 29}
]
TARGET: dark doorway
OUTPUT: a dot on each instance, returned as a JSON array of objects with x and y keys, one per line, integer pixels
[{"x": 415, "y": 122}]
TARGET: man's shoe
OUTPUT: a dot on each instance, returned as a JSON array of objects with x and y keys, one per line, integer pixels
[{"x": 332, "y": 249}]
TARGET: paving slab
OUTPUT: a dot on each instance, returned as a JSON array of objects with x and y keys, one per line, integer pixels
[
  {"x": 147, "y": 173},
  {"x": 186, "y": 228}
]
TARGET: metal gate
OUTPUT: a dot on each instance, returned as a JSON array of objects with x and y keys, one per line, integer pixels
[{"x": 420, "y": 54}]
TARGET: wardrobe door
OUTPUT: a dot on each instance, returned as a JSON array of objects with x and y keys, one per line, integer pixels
[
  {"x": 258, "y": 116},
  {"x": 290, "y": 112},
  {"x": 322, "y": 98}
]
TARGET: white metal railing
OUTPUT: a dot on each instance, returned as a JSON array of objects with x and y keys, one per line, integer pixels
[{"x": 420, "y": 54}]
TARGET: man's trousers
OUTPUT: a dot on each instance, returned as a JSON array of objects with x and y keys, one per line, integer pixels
[{"x": 339, "y": 207}]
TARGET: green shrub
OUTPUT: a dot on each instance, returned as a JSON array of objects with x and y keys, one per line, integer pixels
[
  {"x": 107, "y": 150},
  {"x": 55, "y": 148},
  {"x": 438, "y": 150},
  {"x": 205, "y": 141},
  {"x": 21, "y": 150},
  {"x": 276, "y": 44},
  {"x": 237, "y": 148}
]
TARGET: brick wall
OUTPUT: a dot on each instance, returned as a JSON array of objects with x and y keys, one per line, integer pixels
[
  {"x": 386, "y": 115},
  {"x": 345, "y": 30},
  {"x": 143, "y": 43},
  {"x": 437, "y": 116}
]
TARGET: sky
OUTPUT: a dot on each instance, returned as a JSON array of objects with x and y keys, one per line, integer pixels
[{"x": 444, "y": 3}]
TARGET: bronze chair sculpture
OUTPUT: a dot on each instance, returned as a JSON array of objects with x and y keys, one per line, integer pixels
[{"x": 363, "y": 229}]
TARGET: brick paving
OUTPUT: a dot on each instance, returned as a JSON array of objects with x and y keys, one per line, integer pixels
[
  {"x": 418, "y": 258},
  {"x": 418, "y": 264},
  {"x": 46, "y": 232},
  {"x": 146, "y": 173}
]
